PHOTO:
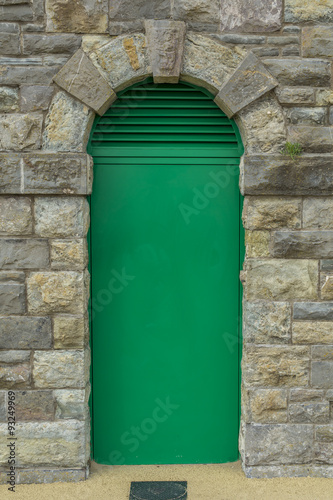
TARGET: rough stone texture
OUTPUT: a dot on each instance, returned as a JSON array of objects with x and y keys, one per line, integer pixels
[
  {"x": 272, "y": 212},
  {"x": 210, "y": 73},
  {"x": 42, "y": 476},
  {"x": 324, "y": 97},
  {"x": 71, "y": 403},
  {"x": 69, "y": 254},
  {"x": 67, "y": 124},
  {"x": 80, "y": 78},
  {"x": 313, "y": 311},
  {"x": 276, "y": 366},
  {"x": 318, "y": 213},
  {"x": 50, "y": 44},
  {"x": 34, "y": 405},
  {"x": 327, "y": 288},
  {"x": 266, "y": 444},
  {"x": 61, "y": 216},
  {"x": 22, "y": 332},
  {"x": 252, "y": 16},
  {"x": 312, "y": 72},
  {"x": 8, "y": 99},
  {"x": 58, "y": 443},
  {"x": 305, "y": 395},
  {"x": 70, "y": 332},
  {"x": 196, "y": 11},
  {"x": 38, "y": 75},
  {"x": 15, "y": 215},
  {"x": 77, "y": 16},
  {"x": 125, "y": 10},
  {"x": 16, "y": 13},
  {"x": 10, "y": 173},
  {"x": 317, "y": 41},
  {"x": 12, "y": 277},
  {"x": 295, "y": 95},
  {"x": 60, "y": 369},
  {"x": 322, "y": 374},
  {"x": 57, "y": 292},
  {"x": 20, "y": 132},
  {"x": 262, "y": 126},
  {"x": 15, "y": 369},
  {"x": 281, "y": 279},
  {"x": 267, "y": 406},
  {"x": 165, "y": 41},
  {"x": 123, "y": 61},
  {"x": 312, "y": 139},
  {"x": 267, "y": 322},
  {"x": 35, "y": 97},
  {"x": 303, "y": 244},
  {"x": 257, "y": 243},
  {"x": 250, "y": 81},
  {"x": 324, "y": 352},
  {"x": 307, "y": 116},
  {"x": 316, "y": 10},
  {"x": 66, "y": 173},
  {"x": 316, "y": 332},
  {"x": 12, "y": 299},
  {"x": 3, "y": 409},
  {"x": 268, "y": 472},
  {"x": 324, "y": 433},
  {"x": 9, "y": 39},
  {"x": 279, "y": 175},
  {"x": 24, "y": 253}
]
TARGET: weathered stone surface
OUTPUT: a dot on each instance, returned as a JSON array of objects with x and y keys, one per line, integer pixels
[
  {"x": 61, "y": 216},
  {"x": 330, "y": 117},
  {"x": 267, "y": 322},
  {"x": 12, "y": 277},
  {"x": 80, "y": 78},
  {"x": 54, "y": 44},
  {"x": 326, "y": 265},
  {"x": 314, "y": 72},
  {"x": 165, "y": 41},
  {"x": 67, "y": 124},
  {"x": 13, "y": 13},
  {"x": 79, "y": 16},
  {"x": 35, "y": 97},
  {"x": 266, "y": 51},
  {"x": 312, "y": 413},
  {"x": 278, "y": 174},
  {"x": 20, "y": 132},
  {"x": 15, "y": 369},
  {"x": 42, "y": 476},
  {"x": 280, "y": 41},
  {"x": 34, "y": 405},
  {"x": 257, "y": 243},
  {"x": 292, "y": 50},
  {"x": 36, "y": 75},
  {"x": 327, "y": 288},
  {"x": 124, "y": 10},
  {"x": 241, "y": 39},
  {"x": 313, "y": 311},
  {"x": 70, "y": 332},
  {"x": 15, "y": 215},
  {"x": 300, "y": 11},
  {"x": 69, "y": 254},
  {"x": 60, "y": 369},
  {"x": 3, "y": 408},
  {"x": 71, "y": 403},
  {"x": 278, "y": 444},
  {"x": 62, "y": 173},
  {"x": 323, "y": 453},
  {"x": 322, "y": 374},
  {"x": 272, "y": 212},
  {"x": 323, "y": 97},
  {"x": 281, "y": 279},
  {"x": 305, "y": 395},
  {"x": 317, "y": 41},
  {"x": 250, "y": 81},
  {"x": 8, "y": 99},
  {"x": 253, "y": 16},
  {"x": 123, "y": 61},
  {"x": 22, "y": 332},
  {"x": 267, "y": 471},
  {"x": 90, "y": 43},
  {"x": 268, "y": 406},
  {"x": 324, "y": 352},
  {"x": 211, "y": 74},
  {"x": 57, "y": 292},
  {"x": 58, "y": 443},
  {"x": 295, "y": 95},
  {"x": 324, "y": 433},
  {"x": 10, "y": 173},
  {"x": 312, "y": 139},
  {"x": 12, "y": 299},
  {"x": 302, "y": 244},
  {"x": 24, "y": 253},
  {"x": 197, "y": 11},
  {"x": 306, "y": 116},
  {"x": 262, "y": 125},
  {"x": 318, "y": 213},
  {"x": 275, "y": 366}
]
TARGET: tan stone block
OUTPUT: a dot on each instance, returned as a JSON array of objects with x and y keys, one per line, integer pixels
[
  {"x": 61, "y": 369},
  {"x": 312, "y": 332},
  {"x": 57, "y": 216},
  {"x": 81, "y": 16},
  {"x": 269, "y": 406},
  {"x": 271, "y": 212},
  {"x": 327, "y": 288},
  {"x": 315, "y": 10},
  {"x": 69, "y": 254},
  {"x": 70, "y": 332},
  {"x": 257, "y": 243}
]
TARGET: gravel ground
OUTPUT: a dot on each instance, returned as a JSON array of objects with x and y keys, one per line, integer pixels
[{"x": 205, "y": 482}]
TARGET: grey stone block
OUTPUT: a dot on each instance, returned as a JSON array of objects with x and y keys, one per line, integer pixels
[
  {"x": 312, "y": 139},
  {"x": 15, "y": 370},
  {"x": 293, "y": 50},
  {"x": 314, "y": 72},
  {"x": 280, "y": 41},
  {"x": 35, "y": 98},
  {"x": 279, "y": 175},
  {"x": 324, "y": 352},
  {"x": 317, "y": 41},
  {"x": 165, "y": 44},
  {"x": 312, "y": 413},
  {"x": 10, "y": 43},
  {"x": 265, "y": 51},
  {"x": 34, "y": 405},
  {"x": 313, "y": 311},
  {"x": 241, "y": 39},
  {"x": 3, "y": 408},
  {"x": 80, "y": 78},
  {"x": 25, "y": 332},
  {"x": 71, "y": 403},
  {"x": 12, "y": 299},
  {"x": 12, "y": 277},
  {"x": 61, "y": 216},
  {"x": 326, "y": 265},
  {"x": 318, "y": 213},
  {"x": 43, "y": 476},
  {"x": 267, "y": 322},
  {"x": 9, "y": 101},
  {"x": 25, "y": 253},
  {"x": 82, "y": 16},
  {"x": 62, "y": 173},
  {"x": 307, "y": 116},
  {"x": 125, "y": 10},
  {"x": 324, "y": 433},
  {"x": 20, "y": 132},
  {"x": 250, "y": 81},
  {"x": 50, "y": 44},
  {"x": 305, "y": 395},
  {"x": 252, "y": 16},
  {"x": 14, "y": 13},
  {"x": 15, "y": 215},
  {"x": 302, "y": 244},
  {"x": 18, "y": 75},
  {"x": 197, "y": 11},
  {"x": 323, "y": 453},
  {"x": 295, "y": 95},
  {"x": 322, "y": 374}
]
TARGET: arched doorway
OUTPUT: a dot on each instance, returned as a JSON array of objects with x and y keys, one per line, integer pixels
[{"x": 165, "y": 257}]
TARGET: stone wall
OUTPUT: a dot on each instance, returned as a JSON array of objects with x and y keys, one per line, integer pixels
[{"x": 269, "y": 64}]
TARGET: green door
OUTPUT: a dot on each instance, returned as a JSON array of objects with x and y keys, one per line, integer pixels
[{"x": 165, "y": 253}]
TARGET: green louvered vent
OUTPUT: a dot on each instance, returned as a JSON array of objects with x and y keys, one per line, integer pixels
[{"x": 150, "y": 119}]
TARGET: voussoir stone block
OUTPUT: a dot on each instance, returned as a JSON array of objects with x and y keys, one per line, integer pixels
[
  {"x": 250, "y": 81},
  {"x": 302, "y": 244},
  {"x": 57, "y": 216},
  {"x": 80, "y": 78},
  {"x": 15, "y": 215},
  {"x": 165, "y": 41},
  {"x": 57, "y": 292},
  {"x": 252, "y": 16},
  {"x": 23, "y": 332},
  {"x": 80, "y": 16},
  {"x": 267, "y": 322},
  {"x": 61, "y": 369},
  {"x": 27, "y": 253}
]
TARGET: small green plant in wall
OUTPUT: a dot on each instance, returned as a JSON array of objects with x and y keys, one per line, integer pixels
[{"x": 292, "y": 149}]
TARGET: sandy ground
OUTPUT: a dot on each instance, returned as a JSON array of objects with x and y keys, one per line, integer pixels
[{"x": 205, "y": 482}]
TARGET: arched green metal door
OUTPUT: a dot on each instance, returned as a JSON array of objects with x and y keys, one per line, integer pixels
[{"x": 165, "y": 253}]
